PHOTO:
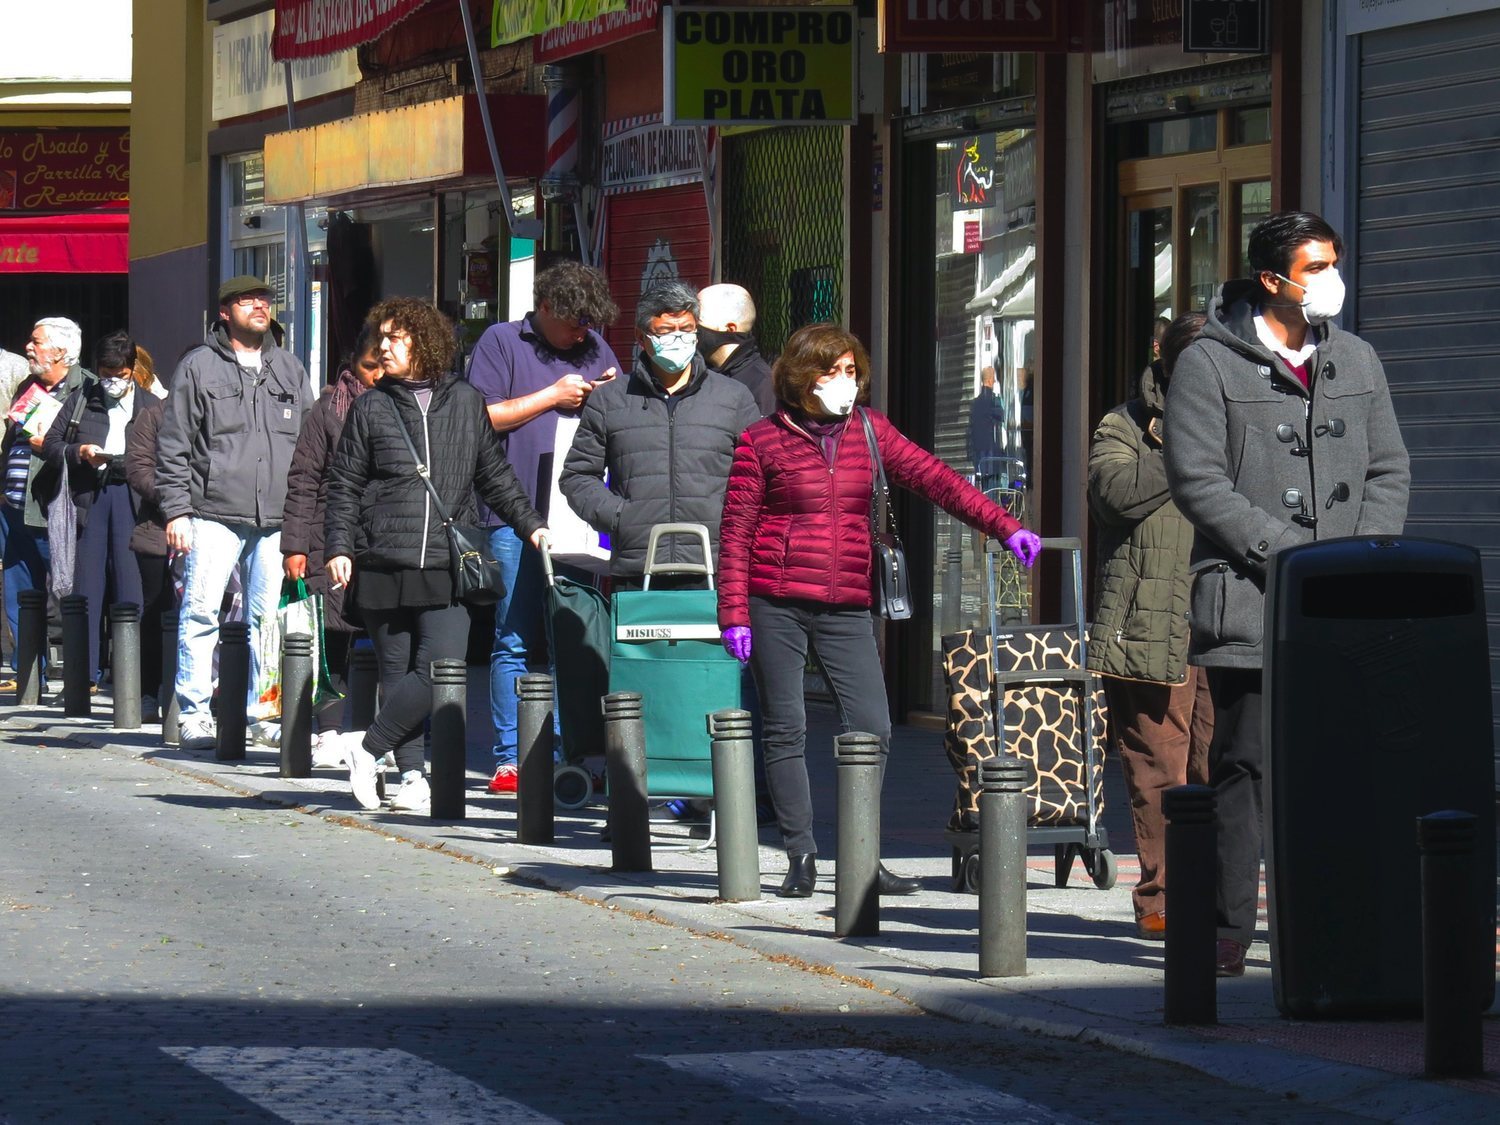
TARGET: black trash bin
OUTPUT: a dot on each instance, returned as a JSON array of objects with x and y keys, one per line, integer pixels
[{"x": 1377, "y": 712}]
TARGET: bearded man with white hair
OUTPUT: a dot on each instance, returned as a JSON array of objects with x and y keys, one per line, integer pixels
[{"x": 52, "y": 356}]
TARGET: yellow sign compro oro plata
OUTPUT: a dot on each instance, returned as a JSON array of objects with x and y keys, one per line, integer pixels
[{"x": 760, "y": 66}]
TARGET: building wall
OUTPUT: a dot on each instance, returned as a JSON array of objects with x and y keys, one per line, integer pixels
[{"x": 169, "y": 173}]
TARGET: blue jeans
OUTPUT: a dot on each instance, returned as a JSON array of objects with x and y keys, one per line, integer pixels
[
  {"x": 27, "y": 554},
  {"x": 217, "y": 549},
  {"x": 520, "y": 630}
]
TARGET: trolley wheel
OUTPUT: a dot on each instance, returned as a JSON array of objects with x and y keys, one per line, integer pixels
[
  {"x": 572, "y": 787},
  {"x": 971, "y": 874},
  {"x": 1105, "y": 869}
]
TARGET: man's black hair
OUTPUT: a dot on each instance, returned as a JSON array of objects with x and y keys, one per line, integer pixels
[
  {"x": 1274, "y": 241},
  {"x": 114, "y": 351},
  {"x": 575, "y": 292}
]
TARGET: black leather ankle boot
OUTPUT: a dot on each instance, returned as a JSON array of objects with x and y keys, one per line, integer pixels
[
  {"x": 801, "y": 874},
  {"x": 890, "y": 884}
]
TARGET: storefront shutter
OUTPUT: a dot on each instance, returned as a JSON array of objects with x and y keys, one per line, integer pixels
[
  {"x": 1428, "y": 262},
  {"x": 653, "y": 236}
]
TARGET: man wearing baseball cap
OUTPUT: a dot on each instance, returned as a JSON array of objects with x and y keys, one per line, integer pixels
[{"x": 223, "y": 452}]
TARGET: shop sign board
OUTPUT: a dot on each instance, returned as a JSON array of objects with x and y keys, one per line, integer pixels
[
  {"x": 514, "y": 20},
  {"x": 247, "y": 81},
  {"x": 1237, "y": 26},
  {"x": 760, "y": 66},
  {"x": 306, "y": 29},
  {"x": 579, "y": 37},
  {"x": 63, "y": 170},
  {"x": 640, "y": 153},
  {"x": 981, "y": 25},
  {"x": 974, "y": 173},
  {"x": 1360, "y": 16}
]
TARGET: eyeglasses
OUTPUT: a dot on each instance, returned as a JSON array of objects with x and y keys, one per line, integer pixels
[{"x": 252, "y": 301}]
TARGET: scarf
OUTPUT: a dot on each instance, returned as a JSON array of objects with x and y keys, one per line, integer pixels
[{"x": 346, "y": 388}]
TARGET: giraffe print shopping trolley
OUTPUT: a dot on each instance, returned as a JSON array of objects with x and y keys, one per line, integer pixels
[{"x": 1021, "y": 690}]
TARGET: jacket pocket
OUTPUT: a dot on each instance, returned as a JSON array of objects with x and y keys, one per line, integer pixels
[
  {"x": 226, "y": 408},
  {"x": 1227, "y": 608}
]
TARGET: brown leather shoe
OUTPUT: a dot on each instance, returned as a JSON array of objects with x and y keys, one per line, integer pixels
[
  {"x": 1152, "y": 926},
  {"x": 1229, "y": 958}
]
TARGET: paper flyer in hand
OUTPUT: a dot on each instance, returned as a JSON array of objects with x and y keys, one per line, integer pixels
[{"x": 38, "y": 410}]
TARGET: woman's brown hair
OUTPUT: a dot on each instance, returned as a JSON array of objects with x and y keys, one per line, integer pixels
[
  {"x": 433, "y": 343},
  {"x": 807, "y": 357}
]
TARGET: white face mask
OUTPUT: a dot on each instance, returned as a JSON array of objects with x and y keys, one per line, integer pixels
[
  {"x": 674, "y": 351},
  {"x": 116, "y": 388},
  {"x": 838, "y": 395},
  {"x": 1322, "y": 296}
]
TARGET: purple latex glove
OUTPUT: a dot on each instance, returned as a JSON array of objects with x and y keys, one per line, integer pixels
[
  {"x": 737, "y": 642},
  {"x": 1025, "y": 545}
]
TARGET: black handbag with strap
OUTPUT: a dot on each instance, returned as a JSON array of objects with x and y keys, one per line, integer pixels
[
  {"x": 891, "y": 589},
  {"x": 476, "y": 574}
]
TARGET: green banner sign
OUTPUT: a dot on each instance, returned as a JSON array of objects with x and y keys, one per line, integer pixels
[
  {"x": 760, "y": 66},
  {"x": 514, "y": 20}
]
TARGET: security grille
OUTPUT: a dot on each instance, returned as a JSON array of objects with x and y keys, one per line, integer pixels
[{"x": 783, "y": 230}]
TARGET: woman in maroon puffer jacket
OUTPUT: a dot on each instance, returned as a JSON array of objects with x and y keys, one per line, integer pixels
[{"x": 795, "y": 563}]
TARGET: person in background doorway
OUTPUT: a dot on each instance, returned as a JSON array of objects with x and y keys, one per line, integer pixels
[
  {"x": 94, "y": 454},
  {"x": 382, "y": 530},
  {"x": 796, "y": 563},
  {"x": 222, "y": 454},
  {"x": 1159, "y": 706},
  {"x": 307, "y": 499},
  {"x": 726, "y": 323},
  {"x": 1279, "y": 431},
  {"x": 534, "y": 373}
]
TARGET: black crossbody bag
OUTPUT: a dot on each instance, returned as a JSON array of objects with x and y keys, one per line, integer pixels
[
  {"x": 891, "y": 590},
  {"x": 476, "y": 574}
]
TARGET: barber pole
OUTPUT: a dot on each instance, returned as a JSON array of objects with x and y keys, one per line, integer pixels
[{"x": 559, "y": 183}]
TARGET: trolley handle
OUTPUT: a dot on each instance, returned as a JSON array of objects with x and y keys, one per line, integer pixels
[
  {"x": 547, "y": 563},
  {"x": 661, "y": 531}
]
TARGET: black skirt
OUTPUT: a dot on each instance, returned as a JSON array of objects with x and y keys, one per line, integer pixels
[{"x": 402, "y": 589}]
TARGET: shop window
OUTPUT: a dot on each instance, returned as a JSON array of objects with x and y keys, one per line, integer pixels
[
  {"x": 1175, "y": 136},
  {"x": 1250, "y": 126},
  {"x": 247, "y": 181},
  {"x": 1254, "y": 201},
  {"x": 933, "y": 82}
]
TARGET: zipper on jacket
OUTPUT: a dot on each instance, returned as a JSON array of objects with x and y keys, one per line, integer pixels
[
  {"x": 672, "y": 480},
  {"x": 427, "y": 469},
  {"x": 1310, "y": 521}
]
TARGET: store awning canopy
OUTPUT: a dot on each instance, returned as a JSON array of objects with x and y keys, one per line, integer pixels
[
  {"x": 432, "y": 143},
  {"x": 89, "y": 242}
]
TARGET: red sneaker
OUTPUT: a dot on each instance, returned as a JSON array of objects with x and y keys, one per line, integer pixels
[{"x": 504, "y": 780}]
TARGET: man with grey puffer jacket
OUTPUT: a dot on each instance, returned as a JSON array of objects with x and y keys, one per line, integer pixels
[{"x": 1279, "y": 430}]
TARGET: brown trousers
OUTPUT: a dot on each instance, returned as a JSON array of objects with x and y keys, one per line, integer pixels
[{"x": 1162, "y": 732}]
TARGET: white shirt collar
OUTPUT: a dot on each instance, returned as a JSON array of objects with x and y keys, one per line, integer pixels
[{"x": 1296, "y": 358}]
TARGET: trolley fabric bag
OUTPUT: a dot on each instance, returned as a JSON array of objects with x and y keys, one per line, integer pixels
[
  {"x": 666, "y": 645},
  {"x": 578, "y": 636}
]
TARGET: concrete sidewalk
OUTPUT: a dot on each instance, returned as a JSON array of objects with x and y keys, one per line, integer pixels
[{"x": 1090, "y": 979}]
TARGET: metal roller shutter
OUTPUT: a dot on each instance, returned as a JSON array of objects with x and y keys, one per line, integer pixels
[
  {"x": 653, "y": 236},
  {"x": 1428, "y": 271}
]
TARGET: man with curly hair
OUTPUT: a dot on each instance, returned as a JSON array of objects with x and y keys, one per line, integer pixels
[
  {"x": 532, "y": 373},
  {"x": 222, "y": 456}
]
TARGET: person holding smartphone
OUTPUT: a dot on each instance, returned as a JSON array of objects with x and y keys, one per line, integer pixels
[{"x": 94, "y": 454}]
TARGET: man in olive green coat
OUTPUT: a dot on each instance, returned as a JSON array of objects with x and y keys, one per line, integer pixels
[{"x": 1159, "y": 704}]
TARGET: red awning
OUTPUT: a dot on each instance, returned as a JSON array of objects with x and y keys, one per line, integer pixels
[{"x": 90, "y": 242}]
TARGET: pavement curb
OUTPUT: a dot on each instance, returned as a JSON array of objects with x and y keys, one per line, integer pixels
[{"x": 1300, "y": 1078}]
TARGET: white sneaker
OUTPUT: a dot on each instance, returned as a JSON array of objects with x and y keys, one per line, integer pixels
[
  {"x": 328, "y": 751},
  {"x": 414, "y": 795},
  {"x": 196, "y": 732},
  {"x": 362, "y": 781},
  {"x": 263, "y": 732}
]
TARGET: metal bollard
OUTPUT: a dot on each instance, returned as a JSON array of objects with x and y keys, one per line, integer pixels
[
  {"x": 1192, "y": 846},
  {"x": 450, "y": 736},
  {"x": 953, "y": 588},
  {"x": 31, "y": 646},
  {"x": 856, "y": 884},
  {"x": 168, "y": 699},
  {"x": 364, "y": 678},
  {"x": 1002, "y": 868},
  {"x": 629, "y": 816},
  {"x": 733, "y": 751},
  {"x": 1454, "y": 948},
  {"x": 534, "y": 811},
  {"x": 296, "y": 705},
  {"x": 77, "y": 702},
  {"x": 234, "y": 689},
  {"x": 125, "y": 664}
]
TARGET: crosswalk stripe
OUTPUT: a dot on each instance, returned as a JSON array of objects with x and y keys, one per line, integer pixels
[
  {"x": 854, "y": 1084},
  {"x": 353, "y": 1085}
]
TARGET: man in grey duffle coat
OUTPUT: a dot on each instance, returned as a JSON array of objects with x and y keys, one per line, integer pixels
[{"x": 1279, "y": 431}]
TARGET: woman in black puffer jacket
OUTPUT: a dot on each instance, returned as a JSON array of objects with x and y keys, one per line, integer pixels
[{"x": 401, "y": 584}]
